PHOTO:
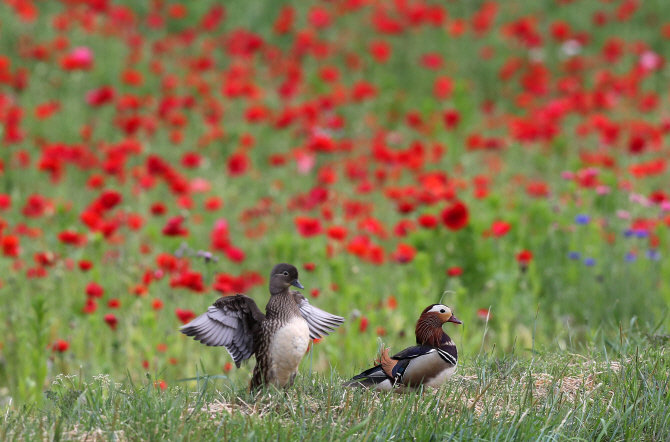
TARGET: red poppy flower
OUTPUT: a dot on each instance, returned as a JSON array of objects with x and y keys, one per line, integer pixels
[
  {"x": 213, "y": 203},
  {"x": 114, "y": 303},
  {"x": 138, "y": 290},
  {"x": 451, "y": 118},
  {"x": 36, "y": 272},
  {"x": 524, "y": 257},
  {"x": 95, "y": 181},
  {"x": 307, "y": 226},
  {"x": 190, "y": 280},
  {"x": 500, "y": 228},
  {"x": 158, "y": 209},
  {"x": 456, "y": 216},
  {"x": 36, "y": 206},
  {"x": 329, "y": 74},
  {"x": 228, "y": 284},
  {"x": 363, "y": 325},
  {"x": 134, "y": 221},
  {"x": 443, "y": 87},
  {"x": 100, "y": 96},
  {"x": 45, "y": 110},
  {"x": 132, "y": 77},
  {"x": 174, "y": 227},
  {"x": 60, "y": 346},
  {"x": 337, "y": 233},
  {"x": 185, "y": 316},
  {"x": 483, "y": 313},
  {"x": 85, "y": 265},
  {"x": 235, "y": 254},
  {"x": 90, "y": 307},
  {"x": 177, "y": 11},
  {"x": 111, "y": 320},
  {"x": 392, "y": 302},
  {"x": 238, "y": 164},
  {"x": 380, "y": 51},
  {"x": 537, "y": 189},
  {"x": 11, "y": 246},
  {"x": 362, "y": 90},
  {"x": 167, "y": 262},
  {"x": 454, "y": 271},
  {"x": 432, "y": 61},
  {"x": 5, "y": 201},
  {"x": 191, "y": 160},
  {"x": 319, "y": 17},
  {"x": 428, "y": 221},
  {"x": 94, "y": 290},
  {"x": 404, "y": 253},
  {"x": 156, "y": 304}
]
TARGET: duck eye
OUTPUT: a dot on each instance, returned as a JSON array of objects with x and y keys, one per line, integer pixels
[
  {"x": 285, "y": 273},
  {"x": 443, "y": 311}
]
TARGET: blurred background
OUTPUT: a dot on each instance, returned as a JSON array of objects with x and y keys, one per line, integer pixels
[{"x": 507, "y": 158}]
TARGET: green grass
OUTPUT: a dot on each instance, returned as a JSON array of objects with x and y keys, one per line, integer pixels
[{"x": 557, "y": 395}]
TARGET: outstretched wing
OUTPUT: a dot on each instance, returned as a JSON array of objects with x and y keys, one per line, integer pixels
[
  {"x": 321, "y": 323},
  {"x": 230, "y": 322}
]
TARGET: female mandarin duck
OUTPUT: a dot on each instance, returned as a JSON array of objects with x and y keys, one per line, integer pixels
[
  {"x": 429, "y": 363},
  {"x": 278, "y": 339}
]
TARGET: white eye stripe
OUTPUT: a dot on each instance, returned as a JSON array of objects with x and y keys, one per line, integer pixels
[{"x": 439, "y": 308}]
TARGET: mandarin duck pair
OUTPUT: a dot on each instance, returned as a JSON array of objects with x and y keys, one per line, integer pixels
[{"x": 280, "y": 337}]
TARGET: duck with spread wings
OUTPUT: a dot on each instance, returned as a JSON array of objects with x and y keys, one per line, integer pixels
[{"x": 279, "y": 338}]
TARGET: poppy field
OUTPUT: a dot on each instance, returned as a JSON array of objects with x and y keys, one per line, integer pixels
[{"x": 507, "y": 158}]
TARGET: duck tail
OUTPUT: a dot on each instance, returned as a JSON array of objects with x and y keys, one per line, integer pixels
[{"x": 372, "y": 377}]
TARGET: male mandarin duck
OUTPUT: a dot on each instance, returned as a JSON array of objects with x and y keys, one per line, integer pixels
[
  {"x": 278, "y": 339},
  {"x": 430, "y": 363}
]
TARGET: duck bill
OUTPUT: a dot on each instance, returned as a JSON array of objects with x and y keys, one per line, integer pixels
[
  {"x": 296, "y": 283},
  {"x": 454, "y": 319}
]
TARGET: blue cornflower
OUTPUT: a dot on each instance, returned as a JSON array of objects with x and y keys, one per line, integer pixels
[
  {"x": 641, "y": 233},
  {"x": 582, "y": 219},
  {"x": 653, "y": 254},
  {"x": 628, "y": 233},
  {"x": 630, "y": 257},
  {"x": 574, "y": 255},
  {"x": 589, "y": 262}
]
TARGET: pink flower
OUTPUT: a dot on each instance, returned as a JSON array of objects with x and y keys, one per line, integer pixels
[
  {"x": 200, "y": 185},
  {"x": 82, "y": 54},
  {"x": 306, "y": 163},
  {"x": 79, "y": 58},
  {"x": 650, "y": 60}
]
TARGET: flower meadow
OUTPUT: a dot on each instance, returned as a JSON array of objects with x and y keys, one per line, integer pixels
[{"x": 507, "y": 157}]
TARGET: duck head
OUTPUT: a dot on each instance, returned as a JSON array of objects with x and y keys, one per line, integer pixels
[
  {"x": 282, "y": 277},
  {"x": 429, "y": 326}
]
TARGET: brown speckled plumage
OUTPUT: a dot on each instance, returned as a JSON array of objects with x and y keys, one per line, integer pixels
[
  {"x": 280, "y": 310},
  {"x": 278, "y": 338}
]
